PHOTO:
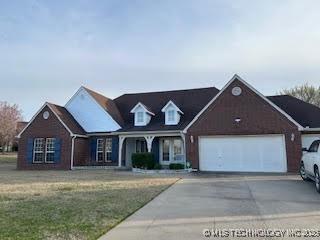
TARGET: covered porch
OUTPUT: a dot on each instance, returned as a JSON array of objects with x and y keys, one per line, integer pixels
[{"x": 167, "y": 148}]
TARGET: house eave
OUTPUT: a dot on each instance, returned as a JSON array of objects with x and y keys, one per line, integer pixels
[
  {"x": 136, "y": 133},
  {"x": 310, "y": 130}
]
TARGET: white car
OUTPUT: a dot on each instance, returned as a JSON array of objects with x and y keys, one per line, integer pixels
[{"x": 310, "y": 164}]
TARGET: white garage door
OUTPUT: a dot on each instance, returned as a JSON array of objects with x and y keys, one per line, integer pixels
[{"x": 243, "y": 153}]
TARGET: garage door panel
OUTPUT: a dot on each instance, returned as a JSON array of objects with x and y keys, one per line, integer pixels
[{"x": 243, "y": 153}]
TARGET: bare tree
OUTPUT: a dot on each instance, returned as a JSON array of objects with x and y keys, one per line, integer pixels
[
  {"x": 305, "y": 92},
  {"x": 9, "y": 116}
]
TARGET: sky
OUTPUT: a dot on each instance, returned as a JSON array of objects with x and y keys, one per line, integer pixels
[{"x": 48, "y": 49}]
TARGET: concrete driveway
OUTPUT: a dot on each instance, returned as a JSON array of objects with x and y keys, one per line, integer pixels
[{"x": 224, "y": 202}]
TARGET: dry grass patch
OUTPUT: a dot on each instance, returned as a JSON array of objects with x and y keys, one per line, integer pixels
[
  {"x": 8, "y": 158},
  {"x": 78, "y": 204}
]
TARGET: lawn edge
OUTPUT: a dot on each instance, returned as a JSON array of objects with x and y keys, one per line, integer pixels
[{"x": 130, "y": 214}]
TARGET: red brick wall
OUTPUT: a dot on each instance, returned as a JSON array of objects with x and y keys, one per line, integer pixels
[
  {"x": 81, "y": 152},
  {"x": 45, "y": 129},
  {"x": 82, "y": 155},
  {"x": 257, "y": 117}
]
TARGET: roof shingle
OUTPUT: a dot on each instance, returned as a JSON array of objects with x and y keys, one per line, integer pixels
[
  {"x": 190, "y": 101},
  {"x": 304, "y": 113}
]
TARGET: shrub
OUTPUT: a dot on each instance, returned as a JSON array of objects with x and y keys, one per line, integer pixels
[
  {"x": 157, "y": 166},
  {"x": 176, "y": 166},
  {"x": 143, "y": 160}
]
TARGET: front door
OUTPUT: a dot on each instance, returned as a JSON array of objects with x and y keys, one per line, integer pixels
[{"x": 171, "y": 150}]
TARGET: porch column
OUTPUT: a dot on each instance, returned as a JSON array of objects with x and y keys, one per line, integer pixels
[
  {"x": 121, "y": 140},
  {"x": 149, "y": 140},
  {"x": 183, "y": 137}
]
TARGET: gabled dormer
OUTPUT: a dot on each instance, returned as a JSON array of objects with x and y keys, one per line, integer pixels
[
  {"x": 142, "y": 115},
  {"x": 172, "y": 113}
]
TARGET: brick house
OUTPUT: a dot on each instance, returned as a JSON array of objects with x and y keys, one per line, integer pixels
[{"x": 232, "y": 129}]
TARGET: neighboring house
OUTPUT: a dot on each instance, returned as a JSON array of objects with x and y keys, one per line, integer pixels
[
  {"x": 20, "y": 126},
  {"x": 233, "y": 129}
]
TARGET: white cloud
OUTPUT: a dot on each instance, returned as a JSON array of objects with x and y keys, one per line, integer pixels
[{"x": 50, "y": 50}]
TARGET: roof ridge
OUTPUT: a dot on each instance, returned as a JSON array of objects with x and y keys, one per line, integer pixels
[
  {"x": 93, "y": 91},
  {"x": 166, "y": 91}
]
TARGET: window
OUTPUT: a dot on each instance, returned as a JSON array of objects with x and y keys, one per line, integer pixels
[
  {"x": 171, "y": 150},
  {"x": 177, "y": 150},
  {"x": 108, "y": 150},
  {"x": 50, "y": 143},
  {"x": 171, "y": 114},
  {"x": 142, "y": 115},
  {"x": 139, "y": 117},
  {"x": 38, "y": 154},
  {"x": 314, "y": 146},
  {"x": 166, "y": 150},
  {"x": 99, "y": 156},
  {"x": 141, "y": 146}
]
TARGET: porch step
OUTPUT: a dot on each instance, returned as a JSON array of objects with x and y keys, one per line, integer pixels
[{"x": 116, "y": 168}]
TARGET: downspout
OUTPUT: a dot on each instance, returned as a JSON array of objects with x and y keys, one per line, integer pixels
[{"x": 72, "y": 150}]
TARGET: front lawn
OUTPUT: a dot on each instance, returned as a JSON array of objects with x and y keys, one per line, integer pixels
[
  {"x": 80, "y": 204},
  {"x": 8, "y": 158}
]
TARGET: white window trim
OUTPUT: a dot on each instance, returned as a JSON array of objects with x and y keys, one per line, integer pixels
[
  {"x": 170, "y": 106},
  {"x": 171, "y": 103},
  {"x": 99, "y": 139},
  {"x": 139, "y": 107},
  {"x": 139, "y": 104},
  {"x": 34, "y": 150},
  {"x": 45, "y": 150},
  {"x": 108, "y": 151}
]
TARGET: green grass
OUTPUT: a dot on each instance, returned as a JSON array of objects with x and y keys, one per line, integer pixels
[
  {"x": 8, "y": 158},
  {"x": 82, "y": 204}
]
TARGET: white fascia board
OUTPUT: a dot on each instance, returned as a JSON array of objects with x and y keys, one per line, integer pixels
[
  {"x": 173, "y": 104},
  {"x": 74, "y": 95},
  {"x": 310, "y": 129},
  {"x": 152, "y": 133},
  {"x": 136, "y": 133},
  {"x": 32, "y": 119},
  {"x": 251, "y": 88},
  {"x": 79, "y": 136},
  {"x": 139, "y": 104}
]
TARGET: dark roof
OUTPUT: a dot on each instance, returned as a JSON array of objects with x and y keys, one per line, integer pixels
[
  {"x": 189, "y": 101},
  {"x": 304, "y": 113},
  {"x": 67, "y": 119},
  {"x": 107, "y": 104}
]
